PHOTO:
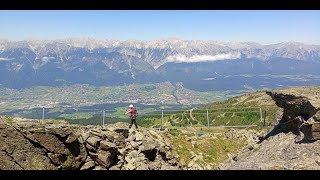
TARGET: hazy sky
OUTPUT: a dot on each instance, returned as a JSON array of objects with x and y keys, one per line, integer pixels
[{"x": 260, "y": 26}]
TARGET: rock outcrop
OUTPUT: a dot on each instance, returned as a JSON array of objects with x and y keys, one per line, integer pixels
[
  {"x": 277, "y": 152},
  {"x": 299, "y": 116},
  {"x": 292, "y": 144},
  {"x": 30, "y": 145}
]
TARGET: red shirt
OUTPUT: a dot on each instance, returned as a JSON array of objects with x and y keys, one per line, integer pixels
[{"x": 131, "y": 111}]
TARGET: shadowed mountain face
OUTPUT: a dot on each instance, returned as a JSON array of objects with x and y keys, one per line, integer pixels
[{"x": 200, "y": 65}]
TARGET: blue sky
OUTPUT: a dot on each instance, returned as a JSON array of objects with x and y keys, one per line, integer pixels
[{"x": 238, "y": 25}]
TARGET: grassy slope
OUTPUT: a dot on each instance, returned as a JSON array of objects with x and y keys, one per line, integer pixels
[
  {"x": 240, "y": 110},
  {"x": 212, "y": 149},
  {"x": 261, "y": 100}
]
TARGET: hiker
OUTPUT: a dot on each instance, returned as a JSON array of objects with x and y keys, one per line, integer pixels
[{"x": 133, "y": 115}]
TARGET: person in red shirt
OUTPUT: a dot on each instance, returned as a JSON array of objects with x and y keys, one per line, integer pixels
[{"x": 132, "y": 112}]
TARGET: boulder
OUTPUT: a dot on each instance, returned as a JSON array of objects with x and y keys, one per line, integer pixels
[
  {"x": 59, "y": 130},
  {"x": 19, "y": 153},
  {"x": 71, "y": 138},
  {"x": 93, "y": 141},
  {"x": 107, "y": 146},
  {"x": 108, "y": 135},
  {"x": 139, "y": 136},
  {"x": 99, "y": 168},
  {"x": 120, "y": 128},
  {"x": 299, "y": 116},
  {"x": 149, "y": 149},
  {"x": 105, "y": 158},
  {"x": 93, "y": 155},
  {"x": 155, "y": 165},
  {"x": 49, "y": 141},
  {"x": 142, "y": 166},
  {"x": 115, "y": 167},
  {"x": 134, "y": 145},
  {"x": 91, "y": 148},
  {"x": 88, "y": 165}
]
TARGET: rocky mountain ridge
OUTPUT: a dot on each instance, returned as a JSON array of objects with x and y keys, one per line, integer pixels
[{"x": 112, "y": 62}]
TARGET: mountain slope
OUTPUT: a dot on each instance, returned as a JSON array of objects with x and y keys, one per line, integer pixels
[{"x": 113, "y": 62}]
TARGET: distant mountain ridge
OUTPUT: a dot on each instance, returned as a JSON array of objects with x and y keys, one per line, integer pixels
[
  {"x": 113, "y": 62},
  {"x": 158, "y": 52}
]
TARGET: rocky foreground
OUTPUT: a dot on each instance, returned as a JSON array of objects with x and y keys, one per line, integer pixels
[
  {"x": 292, "y": 144},
  {"x": 31, "y": 145}
]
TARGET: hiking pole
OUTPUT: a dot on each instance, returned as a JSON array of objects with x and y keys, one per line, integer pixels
[{"x": 208, "y": 118}]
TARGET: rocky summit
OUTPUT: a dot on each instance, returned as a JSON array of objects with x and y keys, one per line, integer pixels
[{"x": 29, "y": 145}]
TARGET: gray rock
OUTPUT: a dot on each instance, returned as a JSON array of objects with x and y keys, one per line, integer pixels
[
  {"x": 107, "y": 146},
  {"x": 121, "y": 151},
  {"x": 95, "y": 134},
  {"x": 134, "y": 145},
  {"x": 139, "y": 136},
  {"x": 277, "y": 152},
  {"x": 59, "y": 130},
  {"x": 120, "y": 128},
  {"x": 91, "y": 148},
  {"x": 298, "y": 116},
  {"x": 148, "y": 145},
  {"x": 105, "y": 158},
  {"x": 155, "y": 165},
  {"x": 99, "y": 168},
  {"x": 139, "y": 143},
  {"x": 55, "y": 158},
  {"x": 88, "y": 165},
  {"x": 93, "y": 141},
  {"x": 108, "y": 135},
  {"x": 190, "y": 164},
  {"x": 71, "y": 138},
  {"x": 123, "y": 131},
  {"x": 93, "y": 155},
  {"x": 49, "y": 142},
  {"x": 85, "y": 136},
  {"x": 130, "y": 166},
  {"x": 88, "y": 159},
  {"x": 81, "y": 140},
  {"x": 115, "y": 167},
  {"x": 142, "y": 166},
  {"x": 17, "y": 152},
  {"x": 130, "y": 138}
]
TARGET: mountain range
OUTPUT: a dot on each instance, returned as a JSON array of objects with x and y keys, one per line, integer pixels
[{"x": 200, "y": 65}]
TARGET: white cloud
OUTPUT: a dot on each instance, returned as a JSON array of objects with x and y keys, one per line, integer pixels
[
  {"x": 209, "y": 79},
  {"x": 200, "y": 58},
  {"x": 5, "y": 59},
  {"x": 45, "y": 58}
]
